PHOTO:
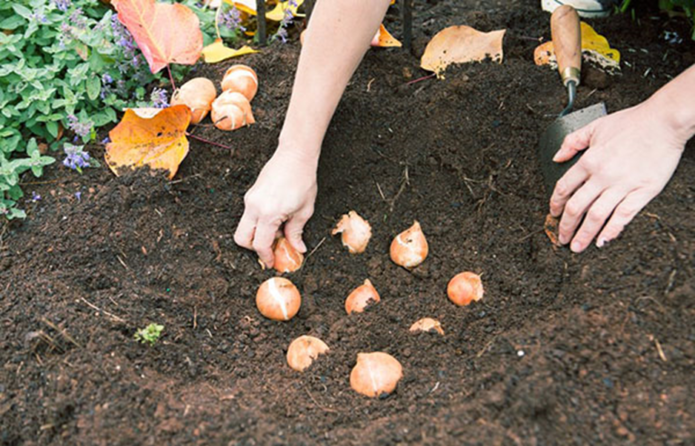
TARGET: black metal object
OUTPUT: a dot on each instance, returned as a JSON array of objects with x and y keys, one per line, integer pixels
[
  {"x": 309, "y": 8},
  {"x": 262, "y": 26},
  {"x": 407, "y": 6}
]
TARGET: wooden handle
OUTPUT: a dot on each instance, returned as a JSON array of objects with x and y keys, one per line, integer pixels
[{"x": 567, "y": 40}]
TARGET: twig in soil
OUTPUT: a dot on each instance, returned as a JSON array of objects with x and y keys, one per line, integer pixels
[
  {"x": 529, "y": 235},
  {"x": 489, "y": 343},
  {"x": 28, "y": 183},
  {"x": 63, "y": 333},
  {"x": 369, "y": 84},
  {"x": 177, "y": 182},
  {"x": 111, "y": 315},
  {"x": 315, "y": 249},
  {"x": 327, "y": 409},
  {"x": 207, "y": 141},
  {"x": 404, "y": 183},
  {"x": 671, "y": 280},
  {"x": 420, "y": 79},
  {"x": 660, "y": 350},
  {"x": 120, "y": 260},
  {"x": 195, "y": 317},
  {"x": 381, "y": 192}
]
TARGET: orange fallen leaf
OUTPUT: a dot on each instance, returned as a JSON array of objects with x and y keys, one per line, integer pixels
[
  {"x": 165, "y": 33},
  {"x": 551, "y": 228},
  {"x": 384, "y": 39},
  {"x": 153, "y": 137},
  {"x": 461, "y": 44}
]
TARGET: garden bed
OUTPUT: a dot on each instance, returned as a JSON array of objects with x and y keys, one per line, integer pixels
[{"x": 563, "y": 349}]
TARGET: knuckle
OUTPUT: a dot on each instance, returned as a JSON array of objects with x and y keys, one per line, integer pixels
[
  {"x": 597, "y": 214},
  {"x": 572, "y": 209},
  {"x": 625, "y": 212},
  {"x": 561, "y": 190}
]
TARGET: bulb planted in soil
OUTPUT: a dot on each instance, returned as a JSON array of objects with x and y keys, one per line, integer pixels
[
  {"x": 465, "y": 288},
  {"x": 409, "y": 248},
  {"x": 375, "y": 374},
  {"x": 354, "y": 231},
  {"x": 427, "y": 324},
  {"x": 278, "y": 299},
  {"x": 360, "y": 297},
  {"x": 287, "y": 259},
  {"x": 303, "y": 351}
]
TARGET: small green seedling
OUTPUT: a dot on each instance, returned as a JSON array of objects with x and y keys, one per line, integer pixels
[{"x": 149, "y": 334}]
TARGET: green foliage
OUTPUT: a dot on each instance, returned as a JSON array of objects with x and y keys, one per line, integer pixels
[
  {"x": 150, "y": 334},
  {"x": 688, "y": 6},
  {"x": 56, "y": 64}
]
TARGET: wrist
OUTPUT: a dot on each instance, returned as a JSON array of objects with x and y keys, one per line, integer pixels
[
  {"x": 676, "y": 114},
  {"x": 299, "y": 153}
]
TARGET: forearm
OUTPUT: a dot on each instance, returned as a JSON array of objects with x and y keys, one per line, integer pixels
[
  {"x": 675, "y": 102},
  {"x": 339, "y": 36}
]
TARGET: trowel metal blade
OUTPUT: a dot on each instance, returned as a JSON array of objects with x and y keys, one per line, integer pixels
[{"x": 553, "y": 137}]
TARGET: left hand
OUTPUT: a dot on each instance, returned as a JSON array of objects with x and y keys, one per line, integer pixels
[{"x": 630, "y": 157}]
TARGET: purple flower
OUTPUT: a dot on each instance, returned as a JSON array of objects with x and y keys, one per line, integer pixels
[
  {"x": 78, "y": 195},
  {"x": 106, "y": 78},
  {"x": 232, "y": 20},
  {"x": 62, "y": 5},
  {"x": 106, "y": 140},
  {"x": 38, "y": 16},
  {"x": 159, "y": 98},
  {"x": 78, "y": 19},
  {"x": 281, "y": 34},
  {"x": 82, "y": 129},
  {"x": 35, "y": 197},
  {"x": 76, "y": 158}
]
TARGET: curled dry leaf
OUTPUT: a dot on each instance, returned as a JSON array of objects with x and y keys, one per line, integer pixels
[
  {"x": 375, "y": 374},
  {"x": 153, "y": 137},
  {"x": 218, "y": 51},
  {"x": 165, "y": 33},
  {"x": 384, "y": 39},
  {"x": 241, "y": 79},
  {"x": 427, "y": 324},
  {"x": 354, "y": 231},
  {"x": 287, "y": 259},
  {"x": 360, "y": 297},
  {"x": 303, "y": 351},
  {"x": 595, "y": 48},
  {"x": 197, "y": 94},
  {"x": 461, "y": 44},
  {"x": 231, "y": 110},
  {"x": 409, "y": 248},
  {"x": 551, "y": 228}
]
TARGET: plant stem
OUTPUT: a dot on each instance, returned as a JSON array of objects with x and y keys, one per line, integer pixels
[
  {"x": 171, "y": 78},
  {"x": 207, "y": 141},
  {"x": 424, "y": 78}
]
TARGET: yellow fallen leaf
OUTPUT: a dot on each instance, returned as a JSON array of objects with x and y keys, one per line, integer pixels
[
  {"x": 276, "y": 14},
  {"x": 384, "y": 39},
  {"x": 595, "y": 47},
  {"x": 218, "y": 51},
  {"x": 153, "y": 137},
  {"x": 461, "y": 44}
]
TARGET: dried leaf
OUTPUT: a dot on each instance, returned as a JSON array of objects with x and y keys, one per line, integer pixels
[
  {"x": 551, "y": 228},
  {"x": 153, "y": 137},
  {"x": 595, "y": 48},
  {"x": 384, "y": 39},
  {"x": 461, "y": 44},
  {"x": 276, "y": 14},
  {"x": 218, "y": 51},
  {"x": 164, "y": 33}
]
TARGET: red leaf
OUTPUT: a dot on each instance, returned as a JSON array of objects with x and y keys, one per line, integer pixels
[{"x": 164, "y": 33}]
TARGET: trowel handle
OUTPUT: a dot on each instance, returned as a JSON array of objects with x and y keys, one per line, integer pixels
[{"x": 567, "y": 40}]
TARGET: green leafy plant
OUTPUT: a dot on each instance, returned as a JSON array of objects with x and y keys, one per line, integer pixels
[
  {"x": 150, "y": 334},
  {"x": 671, "y": 6},
  {"x": 67, "y": 67}
]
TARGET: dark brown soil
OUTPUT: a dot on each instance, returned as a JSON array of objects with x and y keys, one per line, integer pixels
[{"x": 597, "y": 348}]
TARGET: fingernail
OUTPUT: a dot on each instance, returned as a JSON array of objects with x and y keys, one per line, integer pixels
[
  {"x": 600, "y": 242},
  {"x": 576, "y": 247},
  {"x": 556, "y": 157}
]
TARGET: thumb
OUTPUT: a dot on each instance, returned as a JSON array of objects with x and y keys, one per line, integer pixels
[
  {"x": 294, "y": 227},
  {"x": 575, "y": 142}
]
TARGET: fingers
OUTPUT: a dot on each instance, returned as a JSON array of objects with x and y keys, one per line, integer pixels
[
  {"x": 294, "y": 227},
  {"x": 575, "y": 209},
  {"x": 264, "y": 238},
  {"x": 575, "y": 142},
  {"x": 565, "y": 187},
  {"x": 624, "y": 214},
  {"x": 246, "y": 229},
  {"x": 596, "y": 217}
]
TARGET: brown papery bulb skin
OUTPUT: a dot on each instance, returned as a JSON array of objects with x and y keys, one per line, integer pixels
[
  {"x": 287, "y": 259},
  {"x": 278, "y": 299},
  {"x": 231, "y": 110},
  {"x": 360, "y": 297},
  {"x": 198, "y": 94},
  {"x": 303, "y": 351},
  {"x": 375, "y": 374},
  {"x": 427, "y": 324},
  {"x": 354, "y": 231},
  {"x": 409, "y": 248},
  {"x": 241, "y": 79},
  {"x": 465, "y": 288}
]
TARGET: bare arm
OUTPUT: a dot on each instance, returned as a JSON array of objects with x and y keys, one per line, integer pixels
[
  {"x": 285, "y": 190},
  {"x": 631, "y": 156}
]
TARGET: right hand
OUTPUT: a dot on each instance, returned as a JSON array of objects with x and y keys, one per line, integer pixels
[{"x": 284, "y": 192}]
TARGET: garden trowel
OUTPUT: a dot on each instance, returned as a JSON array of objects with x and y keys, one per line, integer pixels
[{"x": 566, "y": 33}]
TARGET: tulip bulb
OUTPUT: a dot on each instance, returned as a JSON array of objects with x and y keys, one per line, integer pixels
[
  {"x": 303, "y": 351},
  {"x": 409, "y": 248},
  {"x": 231, "y": 110},
  {"x": 241, "y": 79},
  {"x": 465, "y": 288},
  {"x": 360, "y": 297},
  {"x": 287, "y": 259},
  {"x": 427, "y": 324},
  {"x": 375, "y": 374},
  {"x": 198, "y": 94},
  {"x": 354, "y": 231},
  {"x": 278, "y": 299}
]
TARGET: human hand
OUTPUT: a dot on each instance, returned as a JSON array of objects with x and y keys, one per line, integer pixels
[
  {"x": 630, "y": 157},
  {"x": 284, "y": 192}
]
